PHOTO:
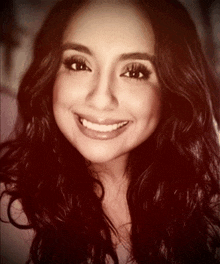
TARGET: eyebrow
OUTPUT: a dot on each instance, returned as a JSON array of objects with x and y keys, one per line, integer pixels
[
  {"x": 137, "y": 56},
  {"x": 125, "y": 56},
  {"x": 77, "y": 47}
]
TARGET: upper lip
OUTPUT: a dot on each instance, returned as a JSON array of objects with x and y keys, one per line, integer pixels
[{"x": 101, "y": 120}]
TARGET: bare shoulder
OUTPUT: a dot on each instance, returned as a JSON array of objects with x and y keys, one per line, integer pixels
[{"x": 15, "y": 242}]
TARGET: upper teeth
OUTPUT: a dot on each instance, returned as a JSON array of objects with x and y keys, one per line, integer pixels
[{"x": 102, "y": 128}]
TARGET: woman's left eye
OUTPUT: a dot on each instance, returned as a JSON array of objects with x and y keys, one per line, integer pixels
[
  {"x": 76, "y": 64},
  {"x": 136, "y": 71}
]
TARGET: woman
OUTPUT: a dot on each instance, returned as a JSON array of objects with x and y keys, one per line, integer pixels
[{"x": 117, "y": 157}]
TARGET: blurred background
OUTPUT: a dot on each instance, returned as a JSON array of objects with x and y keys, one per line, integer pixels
[{"x": 20, "y": 21}]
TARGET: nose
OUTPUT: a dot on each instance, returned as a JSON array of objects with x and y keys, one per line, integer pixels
[{"x": 102, "y": 96}]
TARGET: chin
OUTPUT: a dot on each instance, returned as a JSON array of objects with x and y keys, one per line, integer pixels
[{"x": 99, "y": 155}]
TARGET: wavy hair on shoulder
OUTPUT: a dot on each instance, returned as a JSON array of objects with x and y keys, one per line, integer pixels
[{"x": 173, "y": 196}]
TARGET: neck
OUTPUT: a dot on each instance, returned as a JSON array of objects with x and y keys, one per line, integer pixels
[{"x": 113, "y": 175}]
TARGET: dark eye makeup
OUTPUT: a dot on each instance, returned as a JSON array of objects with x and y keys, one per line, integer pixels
[
  {"x": 75, "y": 64},
  {"x": 137, "y": 71}
]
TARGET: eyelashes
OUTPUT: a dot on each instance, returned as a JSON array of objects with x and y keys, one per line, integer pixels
[
  {"x": 76, "y": 64},
  {"x": 136, "y": 71}
]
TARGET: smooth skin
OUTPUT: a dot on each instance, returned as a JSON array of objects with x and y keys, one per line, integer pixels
[{"x": 106, "y": 97}]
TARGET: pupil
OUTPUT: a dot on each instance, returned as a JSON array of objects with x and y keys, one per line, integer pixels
[
  {"x": 79, "y": 66},
  {"x": 134, "y": 74}
]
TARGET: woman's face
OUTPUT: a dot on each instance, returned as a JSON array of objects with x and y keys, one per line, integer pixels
[{"x": 106, "y": 97}]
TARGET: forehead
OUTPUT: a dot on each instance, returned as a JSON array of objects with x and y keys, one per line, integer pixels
[{"x": 110, "y": 21}]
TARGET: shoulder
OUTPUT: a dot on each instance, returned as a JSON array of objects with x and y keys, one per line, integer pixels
[
  {"x": 15, "y": 243},
  {"x": 9, "y": 113}
]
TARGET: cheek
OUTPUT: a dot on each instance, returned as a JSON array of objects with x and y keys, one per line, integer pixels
[
  {"x": 69, "y": 89},
  {"x": 146, "y": 104},
  {"x": 63, "y": 91},
  {"x": 148, "y": 112},
  {"x": 145, "y": 108},
  {"x": 62, "y": 102}
]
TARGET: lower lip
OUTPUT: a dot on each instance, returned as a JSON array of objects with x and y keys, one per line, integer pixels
[{"x": 93, "y": 134}]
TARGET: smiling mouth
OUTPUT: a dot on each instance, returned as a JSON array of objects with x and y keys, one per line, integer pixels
[{"x": 102, "y": 127}]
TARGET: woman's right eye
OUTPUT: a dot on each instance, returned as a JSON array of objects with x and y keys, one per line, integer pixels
[{"x": 76, "y": 64}]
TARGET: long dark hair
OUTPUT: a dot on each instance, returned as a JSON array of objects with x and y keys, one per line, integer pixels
[{"x": 174, "y": 186}]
